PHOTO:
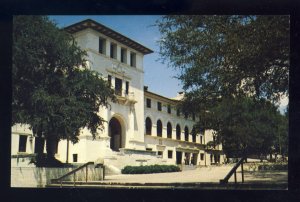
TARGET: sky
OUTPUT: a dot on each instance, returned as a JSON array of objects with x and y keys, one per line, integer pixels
[{"x": 157, "y": 76}]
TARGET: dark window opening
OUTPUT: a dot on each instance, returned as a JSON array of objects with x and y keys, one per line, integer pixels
[
  {"x": 186, "y": 134},
  {"x": 159, "y": 128},
  {"x": 193, "y": 135},
  {"x": 202, "y": 157},
  {"x": 109, "y": 80},
  {"x": 148, "y": 126},
  {"x": 169, "y": 109},
  {"x": 132, "y": 59},
  {"x": 178, "y": 112},
  {"x": 22, "y": 143},
  {"x": 201, "y": 139},
  {"x": 159, "y": 153},
  {"x": 178, "y": 132},
  {"x": 102, "y": 45},
  {"x": 118, "y": 86},
  {"x": 148, "y": 149},
  {"x": 113, "y": 51},
  {"x": 123, "y": 55},
  {"x": 159, "y": 106},
  {"x": 127, "y": 88},
  {"x": 170, "y": 154},
  {"x": 148, "y": 102},
  {"x": 169, "y": 130},
  {"x": 75, "y": 157}
]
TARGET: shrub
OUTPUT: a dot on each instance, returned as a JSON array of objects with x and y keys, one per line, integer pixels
[
  {"x": 150, "y": 169},
  {"x": 273, "y": 167}
]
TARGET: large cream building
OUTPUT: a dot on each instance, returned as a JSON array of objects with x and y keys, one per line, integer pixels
[{"x": 142, "y": 127}]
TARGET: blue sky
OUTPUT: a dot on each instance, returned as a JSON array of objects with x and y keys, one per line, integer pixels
[{"x": 158, "y": 77}]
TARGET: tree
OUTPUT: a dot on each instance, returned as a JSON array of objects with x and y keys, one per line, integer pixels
[
  {"x": 53, "y": 91},
  {"x": 228, "y": 55},
  {"x": 231, "y": 67}
]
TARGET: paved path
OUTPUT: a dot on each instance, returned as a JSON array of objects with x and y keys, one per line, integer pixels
[{"x": 205, "y": 174}]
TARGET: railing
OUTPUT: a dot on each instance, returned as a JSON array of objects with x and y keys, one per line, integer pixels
[
  {"x": 60, "y": 179},
  {"x": 233, "y": 171}
]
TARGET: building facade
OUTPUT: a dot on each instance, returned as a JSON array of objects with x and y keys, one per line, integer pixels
[{"x": 142, "y": 127}]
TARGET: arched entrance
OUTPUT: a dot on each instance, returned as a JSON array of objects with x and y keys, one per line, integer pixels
[{"x": 115, "y": 133}]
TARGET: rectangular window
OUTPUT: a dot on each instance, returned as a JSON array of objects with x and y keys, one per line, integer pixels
[
  {"x": 118, "y": 86},
  {"x": 113, "y": 50},
  {"x": 22, "y": 143},
  {"x": 178, "y": 112},
  {"x": 186, "y": 115},
  {"x": 202, "y": 157},
  {"x": 123, "y": 55},
  {"x": 127, "y": 88},
  {"x": 201, "y": 139},
  {"x": 102, "y": 45},
  {"x": 148, "y": 102},
  {"x": 75, "y": 157},
  {"x": 148, "y": 149},
  {"x": 109, "y": 80},
  {"x": 170, "y": 154},
  {"x": 169, "y": 109},
  {"x": 159, "y": 106},
  {"x": 132, "y": 59},
  {"x": 159, "y": 153}
]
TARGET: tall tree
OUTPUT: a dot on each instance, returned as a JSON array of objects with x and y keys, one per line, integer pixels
[
  {"x": 53, "y": 91},
  {"x": 227, "y": 65}
]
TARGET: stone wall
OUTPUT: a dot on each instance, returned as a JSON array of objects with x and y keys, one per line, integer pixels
[{"x": 39, "y": 177}]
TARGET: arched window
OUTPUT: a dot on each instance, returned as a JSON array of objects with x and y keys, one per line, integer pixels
[
  {"x": 169, "y": 130},
  {"x": 178, "y": 132},
  {"x": 159, "y": 128},
  {"x": 186, "y": 134},
  {"x": 148, "y": 126}
]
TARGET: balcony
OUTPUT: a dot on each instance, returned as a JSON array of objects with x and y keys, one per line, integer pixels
[{"x": 125, "y": 98}]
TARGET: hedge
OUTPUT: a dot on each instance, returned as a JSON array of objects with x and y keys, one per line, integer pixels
[
  {"x": 273, "y": 167},
  {"x": 150, "y": 169}
]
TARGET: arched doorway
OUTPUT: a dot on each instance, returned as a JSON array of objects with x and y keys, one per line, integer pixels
[{"x": 115, "y": 133}]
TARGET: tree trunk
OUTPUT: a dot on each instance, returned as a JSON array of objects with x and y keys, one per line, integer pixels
[{"x": 51, "y": 146}]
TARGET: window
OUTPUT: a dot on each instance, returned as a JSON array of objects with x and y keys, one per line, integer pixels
[
  {"x": 127, "y": 88},
  {"x": 170, "y": 154},
  {"x": 75, "y": 157},
  {"x": 113, "y": 50},
  {"x": 148, "y": 149},
  {"x": 109, "y": 80},
  {"x": 102, "y": 45},
  {"x": 178, "y": 112},
  {"x": 148, "y": 102},
  {"x": 123, "y": 55},
  {"x": 186, "y": 134},
  {"x": 159, "y": 128},
  {"x": 169, "y": 109},
  {"x": 159, "y": 153},
  {"x": 148, "y": 126},
  {"x": 202, "y": 157},
  {"x": 193, "y": 135},
  {"x": 118, "y": 86},
  {"x": 178, "y": 132},
  {"x": 186, "y": 115},
  {"x": 169, "y": 130},
  {"x": 22, "y": 143},
  {"x": 132, "y": 59},
  {"x": 201, "y": 139},
  {"x": 159, "y": 106}
]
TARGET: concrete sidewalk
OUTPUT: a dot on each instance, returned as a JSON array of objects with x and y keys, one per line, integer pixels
[{"x": 211, "y": 174}]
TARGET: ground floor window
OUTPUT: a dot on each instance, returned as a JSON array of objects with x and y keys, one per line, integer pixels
[
  {"x": 75, "y": 157},
  {"x": 159, "y": 153},
  {"x": 170, "y": 154},
  {"x": 202, "y": 157},
  {"x": 22, "y": 143}
]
